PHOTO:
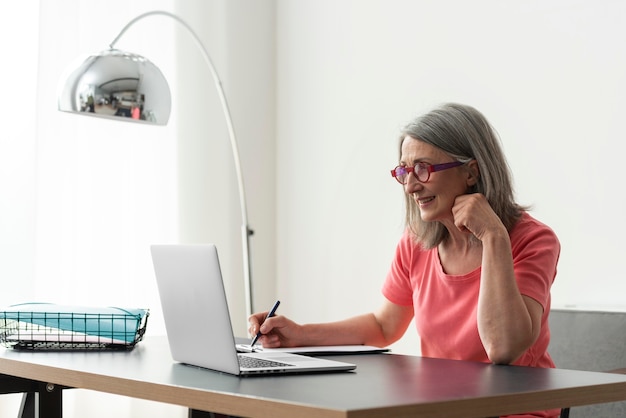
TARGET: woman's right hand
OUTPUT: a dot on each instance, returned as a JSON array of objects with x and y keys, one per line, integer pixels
[{"x": 277, "y": 331}]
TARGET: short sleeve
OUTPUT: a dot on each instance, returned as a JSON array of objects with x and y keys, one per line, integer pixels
[
  {"x": 397, "y": 286},
  {"x": 536, "y": 250}
]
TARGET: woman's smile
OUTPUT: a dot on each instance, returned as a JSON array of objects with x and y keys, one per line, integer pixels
[{"x": 424, "y": 201}]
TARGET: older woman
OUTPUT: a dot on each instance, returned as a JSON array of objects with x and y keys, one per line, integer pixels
[{"x": 473, "y": 268}]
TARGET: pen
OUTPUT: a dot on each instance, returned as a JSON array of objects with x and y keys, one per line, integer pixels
[{"x": 269, "y": 315}]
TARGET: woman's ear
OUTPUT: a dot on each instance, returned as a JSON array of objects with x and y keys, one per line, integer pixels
[{"x": 473, "y": 173}]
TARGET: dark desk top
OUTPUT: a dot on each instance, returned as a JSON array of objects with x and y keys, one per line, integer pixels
[{"x": 383, "y": 385}]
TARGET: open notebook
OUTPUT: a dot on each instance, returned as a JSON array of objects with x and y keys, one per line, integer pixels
[{"x": 197, "y": 319}]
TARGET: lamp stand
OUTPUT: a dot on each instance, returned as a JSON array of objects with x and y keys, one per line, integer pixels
[{"x": 245, "y": 229}]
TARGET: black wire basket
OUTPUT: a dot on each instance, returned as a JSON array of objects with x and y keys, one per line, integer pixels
[{"x": 54, "y": 327}]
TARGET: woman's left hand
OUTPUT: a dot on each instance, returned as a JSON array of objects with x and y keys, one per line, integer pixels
[{"x": 473, "y": 213}]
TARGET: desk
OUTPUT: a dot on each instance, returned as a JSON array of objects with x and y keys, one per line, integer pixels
[{"x": 383, "y": 385}]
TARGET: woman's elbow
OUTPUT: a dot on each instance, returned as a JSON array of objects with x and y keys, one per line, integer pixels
[
  {"x": 501, "y": 358},
  {"x": 506, "y": 349},
  {"x": 505, "y": 353}
]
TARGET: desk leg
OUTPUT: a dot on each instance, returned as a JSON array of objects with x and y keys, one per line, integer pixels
[
  {"x": 50, "y": 401},
  {"x": 27, "y": 407},
  {"x": 47, "y": 402}
]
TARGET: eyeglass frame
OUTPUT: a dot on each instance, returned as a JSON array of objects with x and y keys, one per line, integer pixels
[{"x": 430, "y": 168}]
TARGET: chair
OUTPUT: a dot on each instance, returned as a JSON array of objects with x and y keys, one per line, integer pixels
[{"x": 593, "y": 341}]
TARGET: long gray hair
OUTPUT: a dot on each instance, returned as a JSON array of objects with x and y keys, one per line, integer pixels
[{"x": 465, "y": 134}]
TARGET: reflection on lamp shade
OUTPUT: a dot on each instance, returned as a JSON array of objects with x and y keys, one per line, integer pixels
[{"x": 118, "y": 85}]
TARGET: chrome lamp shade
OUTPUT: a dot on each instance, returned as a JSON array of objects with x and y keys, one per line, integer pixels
[{"x": 118, "y": 85}]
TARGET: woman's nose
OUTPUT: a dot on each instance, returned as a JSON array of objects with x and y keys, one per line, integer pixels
[{"x": 412, "y": 185}]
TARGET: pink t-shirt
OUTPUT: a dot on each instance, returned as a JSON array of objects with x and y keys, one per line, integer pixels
[{"x": 445, "y": 305}]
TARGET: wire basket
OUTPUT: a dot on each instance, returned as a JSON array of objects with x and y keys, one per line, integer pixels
[{"x": 54, "y": 327}]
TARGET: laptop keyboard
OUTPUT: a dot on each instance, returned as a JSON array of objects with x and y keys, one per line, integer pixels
[{"x": 254, "y": 363}]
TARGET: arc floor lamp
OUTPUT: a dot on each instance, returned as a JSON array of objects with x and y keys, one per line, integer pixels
[{"x": 124, "y": 86}]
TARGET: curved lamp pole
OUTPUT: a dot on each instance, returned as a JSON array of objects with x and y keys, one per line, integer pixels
[{"x": 119, "y": 85}]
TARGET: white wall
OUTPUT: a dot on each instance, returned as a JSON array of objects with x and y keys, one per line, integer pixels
[{"x": 548, "y": 74}]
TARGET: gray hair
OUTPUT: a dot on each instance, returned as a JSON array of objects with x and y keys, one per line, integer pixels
[{"x": 465, "y": 134}]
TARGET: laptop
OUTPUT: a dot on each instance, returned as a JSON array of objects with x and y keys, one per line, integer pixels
[{"x": 198, "y": 323}]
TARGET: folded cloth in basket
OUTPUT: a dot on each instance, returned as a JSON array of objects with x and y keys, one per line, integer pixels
[{"x": 116, "y": 324}]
